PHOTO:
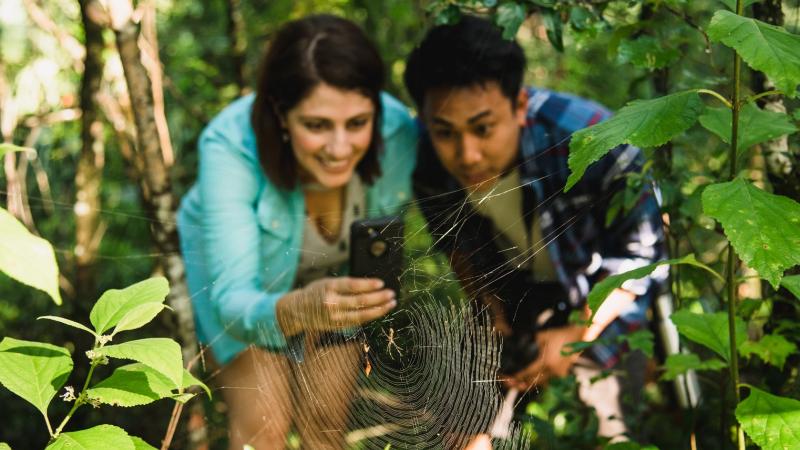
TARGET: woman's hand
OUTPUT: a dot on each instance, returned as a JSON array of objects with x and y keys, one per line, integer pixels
[{"x": 334, "y": 303}]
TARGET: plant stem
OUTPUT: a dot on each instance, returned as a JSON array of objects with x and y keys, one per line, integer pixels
[
  {"x": 732, "y": 260},
  {"x": 49, "y": 427},
  {"x": 81, "y": 396},
  {"x": 716, "y": 95}
]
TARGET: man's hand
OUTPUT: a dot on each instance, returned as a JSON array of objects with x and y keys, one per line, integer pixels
[{"x": 550, "y": 363}]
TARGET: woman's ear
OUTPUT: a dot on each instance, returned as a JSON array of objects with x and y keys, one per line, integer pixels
[{"x": 521, "y": 108}]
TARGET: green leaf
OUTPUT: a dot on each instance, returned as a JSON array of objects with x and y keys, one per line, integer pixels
[
  {"x": 4, "y": 446},
  {"x": 140, "y": 444},
  {"x": 33, "y": 370},
  {"x": 678, "y": 364},
  {"x": 137, "y": 384},
  {"x": 764, "y": 228},
  {"x": 114, "y": 304},
  {"x": 139, "y": 317},
  {"x": 645, "y": 123},
  {"x": 755, "y": 125},
  {"x": 27, "y": 258},
  {"x": 639, "y": 340},
  {"x": 646, "y": 52},
  {"x": 603, "y": 289},
  {"x": 132, "y": 385},
  {"x": 731, "y": 4},
  {"x": 160, "y": 354},
  {"x": 772, "y": 349},
  {"x": 772, "y": 422},
  {"x": 710, "y": 330},
  {"x": 190, "y": 380},
  {"x": 71, "y": 323},
  {"x": 509, "y": 17},
  {"x": 764, "y": 47},
  {"x": 101, "y": 436},
  {"x": 792, "y": 283},
  {"x": 9, "y": 148},
  {"x": 552, "y": 23}
]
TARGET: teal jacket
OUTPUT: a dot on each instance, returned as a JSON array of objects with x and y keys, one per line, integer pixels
[{"x": 241, "y": 236}]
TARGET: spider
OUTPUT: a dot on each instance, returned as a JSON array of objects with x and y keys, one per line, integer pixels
[{"x": 391, "y": 343}]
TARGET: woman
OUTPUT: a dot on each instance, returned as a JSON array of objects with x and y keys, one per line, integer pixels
[{"x": 264, "y": 231}]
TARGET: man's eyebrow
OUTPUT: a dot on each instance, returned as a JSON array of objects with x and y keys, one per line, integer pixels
[
  {"x": 479, "y": 116},
  {"x": 471, "y": 120}
]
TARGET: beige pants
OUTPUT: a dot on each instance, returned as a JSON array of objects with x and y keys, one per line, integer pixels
[{"x": 610, "y": 396}]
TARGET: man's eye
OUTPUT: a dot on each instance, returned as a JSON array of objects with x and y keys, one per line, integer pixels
[
  {"x": 442, "y": 133},
  {"x": 483, "y": 130}
]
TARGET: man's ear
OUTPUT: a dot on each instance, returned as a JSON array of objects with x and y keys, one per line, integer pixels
[{"x": 521, "y": 108}]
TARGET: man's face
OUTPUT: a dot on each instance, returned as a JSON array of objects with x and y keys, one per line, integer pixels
[{"x": 475, "y": 131}]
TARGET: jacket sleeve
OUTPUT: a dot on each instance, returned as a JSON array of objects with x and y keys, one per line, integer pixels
[
  {"x": 229, "y": 189},
  {"x": 635, "y": 238}
]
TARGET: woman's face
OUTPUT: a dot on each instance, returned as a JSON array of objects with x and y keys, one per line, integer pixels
[{"x": 330, "y": 132}]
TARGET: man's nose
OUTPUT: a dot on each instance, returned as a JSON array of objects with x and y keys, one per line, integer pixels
[{"x": 470, "y": 151}]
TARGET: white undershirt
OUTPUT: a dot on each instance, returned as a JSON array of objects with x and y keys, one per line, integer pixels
[
  {"x": 523, "y": 249},
  {"x": 321, "y": 258}
]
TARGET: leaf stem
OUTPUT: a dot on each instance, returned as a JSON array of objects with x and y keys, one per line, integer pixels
[
  {"x": 753, "y": 98},
  {"x": 717, "y": 95},
  {"x": 732, "y": 260},
  {"x": 47, "y": 421}
]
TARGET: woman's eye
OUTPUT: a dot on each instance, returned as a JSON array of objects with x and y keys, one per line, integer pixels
[
  {"x": 356, "y": 124},
  {"x": 314, "y": 126}
]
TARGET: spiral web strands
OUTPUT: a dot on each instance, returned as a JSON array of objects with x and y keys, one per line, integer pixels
[{"x": 429, "y": 384}]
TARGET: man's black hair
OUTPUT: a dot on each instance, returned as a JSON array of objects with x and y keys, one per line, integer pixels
[{"x": 472, "y": 51}]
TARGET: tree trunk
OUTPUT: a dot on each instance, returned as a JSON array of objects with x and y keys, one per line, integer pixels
[
  {"x": 88, "y": 231},
  {"x": 780, "y": 162},
  {"x": 159, "y": 199},
  {"x": 236, "y": 36}
]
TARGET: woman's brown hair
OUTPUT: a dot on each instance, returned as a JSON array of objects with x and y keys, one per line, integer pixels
[{"x": 304, "y": 53}]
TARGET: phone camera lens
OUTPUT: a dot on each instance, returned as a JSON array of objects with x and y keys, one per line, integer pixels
[{"x": 378, "y": 248}]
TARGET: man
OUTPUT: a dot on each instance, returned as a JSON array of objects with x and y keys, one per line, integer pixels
[{"x": 490, "y": 178}]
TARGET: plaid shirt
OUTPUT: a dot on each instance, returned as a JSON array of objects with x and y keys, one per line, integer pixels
[{"x": 582, "y": 249}]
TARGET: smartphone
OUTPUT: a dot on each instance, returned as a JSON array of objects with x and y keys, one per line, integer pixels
[{"x": 376, "y": 250}]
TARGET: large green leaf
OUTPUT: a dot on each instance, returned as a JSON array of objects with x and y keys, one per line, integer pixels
[
  {"x": 138, "y": 384},
  {"x": 767, "y": 48},
  {"x": 772, "y": 422},
  {"x": 764, "y": 228},
  {"x": 139, "y": 316},
  {"x": 99, "y": 437},
  {"x": 601, "y": 290},
  {"x": 114, "y": 304},
  {"x": 792, "y": 283},
  {"x": 710, "y": 330},
  {"x": 755, "y": 125},
  {"x": 132, "y": 385},
  {"x": 772, "y": 349},
  {"x": 645, "y": 123},
  {"x": 27, "y": 258},
  {"x": 509, "y": 17},
  {"x": 160, "y": 354},
  {"x": 34, "y": 370},
  {"x": 679, "y": 363},
  {"x": 140, "y": 444},
  {"x": 4, "y": 446}
]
